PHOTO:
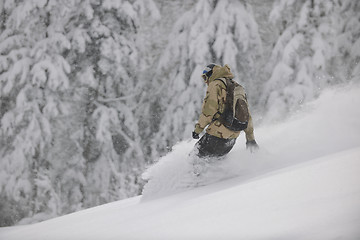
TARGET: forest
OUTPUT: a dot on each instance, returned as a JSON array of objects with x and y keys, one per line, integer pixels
[{"x": 92, "y": 92}]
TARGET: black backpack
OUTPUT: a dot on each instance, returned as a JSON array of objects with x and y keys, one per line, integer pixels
[{"x": 236, "y": 113}]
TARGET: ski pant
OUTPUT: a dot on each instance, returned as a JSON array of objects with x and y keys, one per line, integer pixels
[{"x": 211, "y": 146}]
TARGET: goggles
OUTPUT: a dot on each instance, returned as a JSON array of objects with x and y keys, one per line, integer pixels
[{"x": 207, "y": 72}]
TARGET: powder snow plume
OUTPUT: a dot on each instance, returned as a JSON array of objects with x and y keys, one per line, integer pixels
[{"x": 328, "y": 125}]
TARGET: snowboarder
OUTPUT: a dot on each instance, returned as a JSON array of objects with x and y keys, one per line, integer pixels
[{"x": 218, "y": 139}]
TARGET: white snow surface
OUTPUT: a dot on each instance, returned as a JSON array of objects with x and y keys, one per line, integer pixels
[{"x": 304, "y": 183}]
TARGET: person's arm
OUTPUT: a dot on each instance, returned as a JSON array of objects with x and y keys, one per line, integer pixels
[
  {"x": 251, "y": 144},
  {"x": 249, "y": 131}
]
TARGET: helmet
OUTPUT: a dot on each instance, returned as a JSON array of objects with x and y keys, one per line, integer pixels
[{"x": 208, "y": 71}]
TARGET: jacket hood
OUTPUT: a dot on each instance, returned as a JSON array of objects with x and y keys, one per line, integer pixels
[{"x": 221, "y": 72}]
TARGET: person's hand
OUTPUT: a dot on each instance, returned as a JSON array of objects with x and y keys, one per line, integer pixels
[
  {"x": 252, "y": 146},
  {"x": 195, "y": 135}
]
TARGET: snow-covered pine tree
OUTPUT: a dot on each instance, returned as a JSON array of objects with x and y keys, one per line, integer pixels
[
  {"x": 107, "y": 93},
  {"x": 211, "y": 31},
  {"x": 306, "y": 55},
  {"x": 66, "y": 152},
  {"x": 34, "y": 78},
  {"x": 347, "y": 42},
  {"x": 112, "y": 142},
  {"x": 70, "y": 93}
]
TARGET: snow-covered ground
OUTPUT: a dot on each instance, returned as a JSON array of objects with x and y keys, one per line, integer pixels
[{"x": 304, "y": 183}]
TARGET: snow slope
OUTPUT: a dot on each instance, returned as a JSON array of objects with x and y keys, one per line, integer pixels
[{"x": 303, "y": 184}]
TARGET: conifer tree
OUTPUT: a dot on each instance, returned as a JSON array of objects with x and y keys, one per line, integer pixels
[
  {"x": 69, "y": 105},
  {"x": 34, "y": 79},
  {"x": 307, "y": 56}
]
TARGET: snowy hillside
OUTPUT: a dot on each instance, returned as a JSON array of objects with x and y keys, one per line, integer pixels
[
  {"x": 303, "y": 184},
  {"x": 91, "y": 91}
]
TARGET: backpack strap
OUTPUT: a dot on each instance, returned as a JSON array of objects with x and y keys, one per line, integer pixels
[
  {"x": 218, "y": 114},
  {"x": 223, "y": 80}
]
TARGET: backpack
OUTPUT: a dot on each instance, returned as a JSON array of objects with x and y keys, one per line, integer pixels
[{"x": 236, "y": 113}]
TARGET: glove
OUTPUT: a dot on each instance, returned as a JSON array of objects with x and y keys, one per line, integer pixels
[
  {"x": 195, "y": 135},
  {"x": 252, "y": 146}
]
